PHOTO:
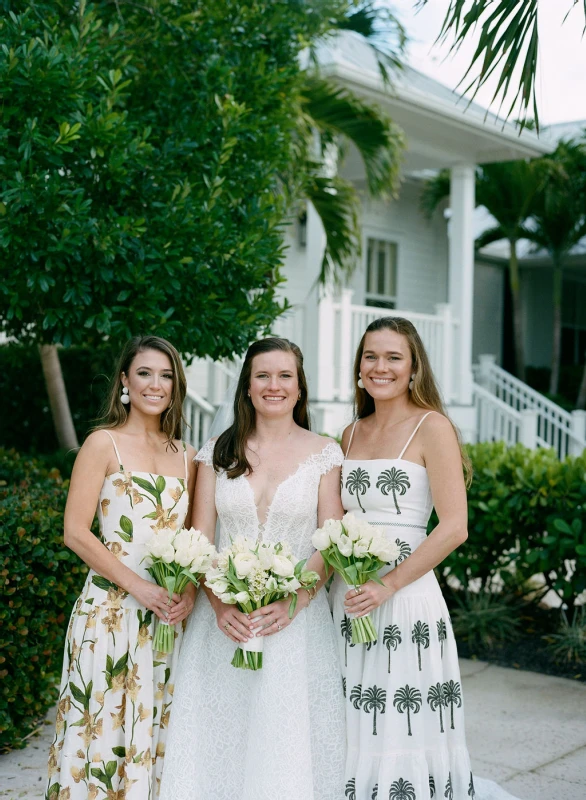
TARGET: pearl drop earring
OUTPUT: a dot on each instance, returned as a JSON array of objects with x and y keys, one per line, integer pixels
[
  {"x": 125, "y": 398},
  {"x": 411, "y": 382},
  {"x": 360, "y": 382}
]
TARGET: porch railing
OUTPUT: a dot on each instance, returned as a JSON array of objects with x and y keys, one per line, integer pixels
[
  {"x": 199, "y": 415},
  {"x": 509, "y": 399}
]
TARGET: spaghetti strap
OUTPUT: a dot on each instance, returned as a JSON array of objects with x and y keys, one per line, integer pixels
[
  {"x": 351, "y": 437},
  {"x": 410, "y": 439},
  {"x": 116, "y": 449},
  {"x": 185, "y": 461}
]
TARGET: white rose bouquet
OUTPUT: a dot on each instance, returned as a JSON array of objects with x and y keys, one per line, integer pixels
[
  {"x": 252, "y": 576},
  {"x": 174, "y": 559},
  {"x": 356, "y": 551}
]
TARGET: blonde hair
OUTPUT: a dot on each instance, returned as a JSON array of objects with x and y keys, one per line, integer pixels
[{"x": 424, "y": 392}]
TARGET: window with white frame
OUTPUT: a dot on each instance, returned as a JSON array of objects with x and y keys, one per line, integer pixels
[{"x": 381, "y": 273}]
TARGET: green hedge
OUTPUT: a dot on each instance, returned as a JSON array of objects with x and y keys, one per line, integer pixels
[
  {"x": 527, "y": 514},
  {"x": 23, "y": 396},
  {"x": 39, "y": 583}
]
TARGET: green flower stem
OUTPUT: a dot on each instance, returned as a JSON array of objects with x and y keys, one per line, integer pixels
[
  {"x": 164, "y": 638},
  {"x": 363, "y": 630},
  {"x": 247, "y": 660}
]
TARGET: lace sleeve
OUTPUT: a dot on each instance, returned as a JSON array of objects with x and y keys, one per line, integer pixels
[
  {"x": 206, "y": 453},
  {"x": 331, "y": 456}
]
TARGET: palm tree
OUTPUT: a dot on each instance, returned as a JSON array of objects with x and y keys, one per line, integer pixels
[
  {"x": 442, "y": 633},
  {"x": 356, "y": 697},
  {"x": 453, "y": 697},
  {"x": 374, "y": 699},
  {"x": 471, "y": 790},
  {"x": 374, "y": 795},
  {"x": 404, "y": 551},
  {"x": 407, "y": 699},
  {"x": 449, "y": 792},
  {"x": 557, "y": 225},
  {"x": 350, "y": 792},
  {"x": 507, "y": 191},
  {"x": 420, "y": 636},
  {"x": 357, "y": 483},
  {"x": 402, "y": 790},
  {"x": 436, "y": 700},
  {"x": 344, "y": 686},
  {"x": 391, "y": 638},
  {"x": 393, "y": 480},
  {"x": 431, "y": 787},
  {"x": 346, "y": 628}
]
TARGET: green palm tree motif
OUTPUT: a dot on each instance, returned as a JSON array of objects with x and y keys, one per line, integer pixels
[
  {"x": 453, "y": 697},
  {"x": 350, "y": 792},
  {"x": 356, "y": 697},
  {"x": 407, "y": 699},
  {"x": 395, "y": 481},
  {"x": 442, "y": 633},
  {"x": 371, "y": 644},
  {"x": 374, "y": 699},
  {"x": 402, "y": 790},
  {"x": 471, "y": 789},
  {"x": 374, "y": 793},
  {"x": 449, "y": 792},
  {"x": 346, "y": 629},
  {"x": 420, "y": 636},
  {"x": 431, "y": 787},
  {"x": 357, "y": 483},
  {"x": 404, "y": 551},
  {"x": 436, "y": 700},
  {"x": 391, "y": 638},
  {"x": 344, "y": 686}
]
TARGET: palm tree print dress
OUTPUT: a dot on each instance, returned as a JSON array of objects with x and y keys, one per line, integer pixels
[
  {"x": 405, "y": 719},
  {"x": 115, "y": 697}
]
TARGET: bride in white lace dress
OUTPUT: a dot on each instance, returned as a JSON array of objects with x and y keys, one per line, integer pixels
[{"x": 279, "y": 733}]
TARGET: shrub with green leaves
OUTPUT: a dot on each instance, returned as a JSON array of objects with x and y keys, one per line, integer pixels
[{"x": 39, "y": 583}]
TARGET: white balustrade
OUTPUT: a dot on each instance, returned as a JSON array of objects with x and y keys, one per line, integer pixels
[
  {"x": 198, "y": 414},
  {"x": 555, "y": 427}
]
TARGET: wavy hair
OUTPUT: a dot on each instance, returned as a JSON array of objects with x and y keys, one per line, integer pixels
[
  {"x": 230, "y": 447},
  {"x": 424, "y": 393},
  {"x": 115, "y": 413}
]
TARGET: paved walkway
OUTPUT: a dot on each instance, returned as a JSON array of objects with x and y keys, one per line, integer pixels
[{"x": 526, "y": 731}]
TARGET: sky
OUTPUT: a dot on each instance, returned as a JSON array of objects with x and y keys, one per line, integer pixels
[{"x": 561, "y": 80}]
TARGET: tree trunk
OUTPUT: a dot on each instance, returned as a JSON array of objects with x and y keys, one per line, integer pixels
[
  {"x": 515, "y": 284},
  {"x": 554, "y": 379},
  {"x": 58, "y": 401},
  {"x": 581, "y": 401}
]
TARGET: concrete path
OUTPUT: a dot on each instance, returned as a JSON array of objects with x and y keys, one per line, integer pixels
[{"x": 525, "y": 730}]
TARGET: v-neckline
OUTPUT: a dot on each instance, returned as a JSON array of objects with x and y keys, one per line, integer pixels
[{"x": 262, "y": 525}]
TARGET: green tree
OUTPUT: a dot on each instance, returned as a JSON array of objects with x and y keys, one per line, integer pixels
[
  {"x": 407, "y": 699},
  {"x": 393, "y": 480},
  {"x": 402, "y": 790},
  {"x": 420, "y": 636},
  {"x": 357, "y": 482},
  {"x": 346, "y": 629},
  {"x": 441, "y": 633},
  {"x": 356, "y": 697},
  {"x": 437, "y": 701},
  {"x": 452, "y": 697},
  {"x": 374, "y": 699},
  {"x": 391, "y": 639}
]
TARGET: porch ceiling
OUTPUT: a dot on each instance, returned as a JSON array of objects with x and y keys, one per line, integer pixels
[{"x": 441, "y": 129}]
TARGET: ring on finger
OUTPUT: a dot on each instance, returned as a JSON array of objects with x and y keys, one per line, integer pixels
[
  {"x": 226, "y": 626},
  {"x": 279, "y": 626}
]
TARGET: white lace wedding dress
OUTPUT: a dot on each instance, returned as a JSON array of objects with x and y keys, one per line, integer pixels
[{"x": 275, "y": 734}]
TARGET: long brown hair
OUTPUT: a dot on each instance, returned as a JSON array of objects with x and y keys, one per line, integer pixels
[
  {"x": 424, "y": 392},
  {"x": 115, "y": 413},
  {"x": 230, "y": 448}
]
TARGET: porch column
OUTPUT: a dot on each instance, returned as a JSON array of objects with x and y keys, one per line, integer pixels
[{"x": 461, "y": 273}]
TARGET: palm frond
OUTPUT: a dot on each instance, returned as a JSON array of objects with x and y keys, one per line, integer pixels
[
  {"x": 383, "y": 32},
  {"x": 434, "y": 191},
  {"x": 490, "y": 235},
  {"x": 337, "y": 112}
]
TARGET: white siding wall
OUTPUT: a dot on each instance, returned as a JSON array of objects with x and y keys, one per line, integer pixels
[{"x": 488, "y": 310}]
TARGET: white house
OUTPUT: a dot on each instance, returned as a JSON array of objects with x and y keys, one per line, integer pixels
[{"x": 412, "y": 267}]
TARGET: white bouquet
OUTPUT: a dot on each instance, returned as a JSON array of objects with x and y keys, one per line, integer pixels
[
  {"x": 356, "y": 551},
  {"x": 250, "y": 576},
  {"x": 174, "y": 559}
]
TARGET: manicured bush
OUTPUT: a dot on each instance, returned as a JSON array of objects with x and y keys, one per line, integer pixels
[{"x": 39, "y": 583}]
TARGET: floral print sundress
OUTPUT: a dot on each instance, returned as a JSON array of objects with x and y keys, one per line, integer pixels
[{"x": 116, "y": 692}]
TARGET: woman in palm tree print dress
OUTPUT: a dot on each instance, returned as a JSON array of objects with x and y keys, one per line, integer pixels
[
  {"x": 405, "y": 723},
  {"x": 116, "y": 693}
]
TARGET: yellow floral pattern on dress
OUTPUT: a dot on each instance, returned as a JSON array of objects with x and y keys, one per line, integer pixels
[{"x": 116, "y": 693}]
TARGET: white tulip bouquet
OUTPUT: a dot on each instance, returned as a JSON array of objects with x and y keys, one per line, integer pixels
[
  {"x": 356, "y": 551},
  {"x": 251, "y": 576},
  {"x": 174, "y": 559}
]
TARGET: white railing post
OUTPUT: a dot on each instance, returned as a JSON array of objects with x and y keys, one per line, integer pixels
[
  {"x": 485, "y": 363},
  {"x": 528, "y": 428},
  {"x": 446, "y": 376},
  {"x": 325, "y": 348},
  {"x": 577, "y": 433},
  {"x": 345, "y": 389}
]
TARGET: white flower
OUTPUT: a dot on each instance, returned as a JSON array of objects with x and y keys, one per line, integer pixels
[
  {"x": 159, "y": 543},
  {"x": 228, "y": 598},
  {"x": 240, "y": 545},
  {"x": 321, "y": 539},
  {"x": 242, "y": 597},
  {"x": 266, "y": 556},
  {"x": 271, "y": 583},
  {"x": 384, "y": 549},
  {"x": 345, "y": 545},
  {"x": 183, "y": 557},
  {"x": 334, "y": 529},
  {"x": 290, "y": 585},
  {"x": 360, "y": 548},
  {"x": 244, "y": 563},
  {"x": 183, "y": 539},
  {"x": 282, "y": 566}
]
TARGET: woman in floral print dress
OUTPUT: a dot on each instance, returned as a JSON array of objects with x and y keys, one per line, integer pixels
[{"x": 116, "y": 693}]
